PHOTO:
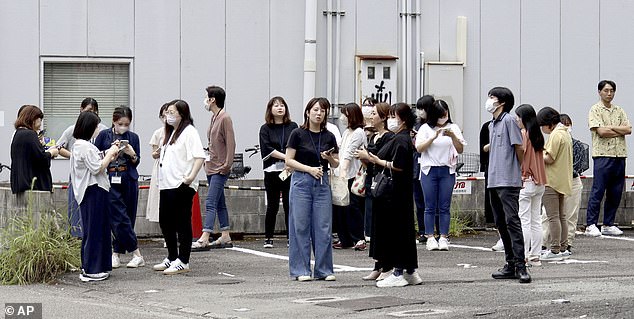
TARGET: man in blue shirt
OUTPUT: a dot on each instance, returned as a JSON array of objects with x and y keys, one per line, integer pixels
[{"x": 505, "y": 181}]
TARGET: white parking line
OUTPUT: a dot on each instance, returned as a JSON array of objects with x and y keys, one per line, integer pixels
[
  {"x": 619, "y": 238},
  {"x": 472, "y": 247},
  {"x": 337, "y": 268}
]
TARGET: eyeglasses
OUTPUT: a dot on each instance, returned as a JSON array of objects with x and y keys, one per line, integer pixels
[{"x": 170, "y": 112}]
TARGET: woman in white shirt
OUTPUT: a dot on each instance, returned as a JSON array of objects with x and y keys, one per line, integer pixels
[
  {"x": 88, "y": 175},
  {"x": 349, "y": 219},
  {"x": 152, "y": 207},
  {"x": 182, "y": 156},
  {"x": 439, "y": 141}
]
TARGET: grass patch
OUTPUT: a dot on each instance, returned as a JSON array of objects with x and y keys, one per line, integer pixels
[
  {"x": 458, "y": 225},
  {"x": 36, "y": 250}
]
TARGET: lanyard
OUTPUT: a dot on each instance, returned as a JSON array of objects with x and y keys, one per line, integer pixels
[
  {"x": 164, "y": 148},
  {"x": 317, "y": 148},
  {"x": 282, "y": 146}
]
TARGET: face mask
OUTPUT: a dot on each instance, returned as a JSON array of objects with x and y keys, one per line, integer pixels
[
  {"x": 207, "y": 106},
  {"x": 367, "y": 111},
  {"x": 392, "y": 124},
  {"x": 421, "y": 114},
  {"x": 442, "y": 120},
  {"x": 489, "y": 105},
  {"x": 343, "y": 119},
  {"x": 121, "y": 129},
  {"x": 171, "y": 119}
]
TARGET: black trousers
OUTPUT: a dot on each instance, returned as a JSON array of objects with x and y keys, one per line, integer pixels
[
  {"x": 505, "y": 206},
  {"x": 175, "y": 219},
  {"x": 274, "y": 186}
]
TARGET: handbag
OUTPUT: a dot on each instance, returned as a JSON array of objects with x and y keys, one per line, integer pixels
[
  {"x": 382, "y": 184},
  {"x": 339, "y": 190},
  {"x": 358, "y": 184}
]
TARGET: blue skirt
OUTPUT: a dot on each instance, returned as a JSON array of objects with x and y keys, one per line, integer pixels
[{"x": 96, "y": 249}]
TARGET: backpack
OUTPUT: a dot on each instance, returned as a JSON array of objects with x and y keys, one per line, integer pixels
[{"x": 580, "y": 156}]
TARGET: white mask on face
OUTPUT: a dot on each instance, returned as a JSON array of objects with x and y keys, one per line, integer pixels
[
  {"x": 392, "y": 124},
  {"x": 442, "y": 120},
  {"x": 367, "y": 111},
  {"x": 489, "y": 105},
  {"x": 421, "y": 114},
  {"x": 343, "y": 119},
  {"x": 120, "y": 129},
  {"x": 207, "y": 106},
  {"x": 171, "y": 119}
]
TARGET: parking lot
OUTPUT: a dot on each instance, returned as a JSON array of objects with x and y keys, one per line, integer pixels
[{"x": 248, "y": 281}]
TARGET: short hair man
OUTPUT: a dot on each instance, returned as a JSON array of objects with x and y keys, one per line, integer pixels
[
  {"x": 222, "y": 147},
  {"x": 505, "y": 181},
  {"x": 609, "y": 125}
]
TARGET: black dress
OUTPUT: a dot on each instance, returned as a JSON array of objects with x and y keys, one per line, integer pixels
[
  {"x": 394, "y": 235},
  {"x": 374, "y": 147},
  {"x": 29, "y": 160}
]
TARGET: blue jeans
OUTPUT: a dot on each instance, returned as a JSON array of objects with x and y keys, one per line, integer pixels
[
  {"x": 438, "y": 187},
  {"x": 609, "y": 179},
  {"x": 215, "y": 203},
  {"x": 310, "y": 224}
]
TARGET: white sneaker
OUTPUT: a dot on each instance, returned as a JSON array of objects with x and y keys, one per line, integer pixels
[
  {"x": 392, "y": 281},
  {"x": 384, "y": 275},
  {"x": 534, "y": 260},
  {"x": 136, "y": 262},
  {"x": 330, "y": 278},
  {"x": 93, "y": 277},
  {"x": 116, "y": 262},
  {"x": 413, "y": 279},
  {"x": 611, "y": 230},
  {"x": 550, "y": 256},
  {"x": 499, "y": 246},
  {"x": 592, "y": 231},
  {"x": 163, "y": 265},
  {"x": 176, "y": 267},
  {"x": 432, "y": 244},
  {"x": 443, "y": 244},
  {"x": 304, "y": 278}
]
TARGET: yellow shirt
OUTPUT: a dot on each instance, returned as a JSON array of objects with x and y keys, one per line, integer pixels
[
  {"x": 559, "y": 147},
  {"x": 601, "y": 116}
]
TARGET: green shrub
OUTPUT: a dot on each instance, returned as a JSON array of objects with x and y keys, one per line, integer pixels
[
  {"x": 36, "y": 251},
  {"x": 458, "y": 225}
]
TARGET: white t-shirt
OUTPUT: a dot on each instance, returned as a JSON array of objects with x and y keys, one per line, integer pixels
[
  {"x": 177, "y": 160},
  {"x": 350, "y": 142},
  {"x": 157, "y": 137},
  {"x": 441, "y": 152},
  {"x": 85, "y": 164},
  {"x": 335, "y": 131},
  {"x": 68, "y": 139}
]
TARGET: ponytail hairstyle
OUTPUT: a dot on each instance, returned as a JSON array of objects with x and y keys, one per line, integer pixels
[{"x": 527, "y": 115}]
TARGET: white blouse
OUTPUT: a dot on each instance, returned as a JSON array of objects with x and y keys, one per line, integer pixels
[
  {"x": 85, "y": 164},
  {"x": 441, "y": 152},
  {"x": 177, "y": 160},
  {"x": 351, "y": 141}
]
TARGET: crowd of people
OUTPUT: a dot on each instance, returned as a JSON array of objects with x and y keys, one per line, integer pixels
[{"x": 398, "y": 164}]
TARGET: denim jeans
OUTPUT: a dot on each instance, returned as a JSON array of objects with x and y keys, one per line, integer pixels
[
  {"x": 609, "y": 179},
  {"x": 215, "y": 203},
  {"x": 438, "y": 187},
  {"x": 310, "y": 225}
]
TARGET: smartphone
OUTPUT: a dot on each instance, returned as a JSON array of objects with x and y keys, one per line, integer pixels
[
  {"x": 284, "y": 175},
  {"x": 123, "y": 144},
  {"x": 330, "y": 151}
]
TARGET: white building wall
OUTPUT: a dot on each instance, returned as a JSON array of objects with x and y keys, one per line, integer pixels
[{"x": 549, "y": 52}]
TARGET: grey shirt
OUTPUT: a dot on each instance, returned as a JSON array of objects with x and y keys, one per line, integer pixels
[{"x": 504, "y": 166}]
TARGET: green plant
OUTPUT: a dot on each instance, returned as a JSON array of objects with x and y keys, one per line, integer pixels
[
  {"x": 458, "y": 225},
  {"x": 36, "y": 248}
]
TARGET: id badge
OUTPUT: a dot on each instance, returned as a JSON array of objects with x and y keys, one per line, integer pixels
[
  {"x": 115, "y": 180},
  {"x": 207, "y": 156}
]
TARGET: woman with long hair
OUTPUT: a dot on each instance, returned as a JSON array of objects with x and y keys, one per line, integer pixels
[
  {"x": 439, "y": 141},
  {"x": 153, "y": 197},
  {"x": 311, "y": 152},
  {"x": 395, "y": 233},
  {"x": 182, "y": 156},
  {"x": 534, "y": 181},
  {"x": 274, "y": 134},
  {"x": 349, "y": 219}
]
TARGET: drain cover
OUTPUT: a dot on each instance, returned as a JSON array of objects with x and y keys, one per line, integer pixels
[{"x": 369, "y": 303}]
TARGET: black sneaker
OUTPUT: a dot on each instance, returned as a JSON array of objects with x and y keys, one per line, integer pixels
[
  {"x": 523, "y": 275},
  {"x": 268, "y": 243},
  {"x": 506, "y": 272}
]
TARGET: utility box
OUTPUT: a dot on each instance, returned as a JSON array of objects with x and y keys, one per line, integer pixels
[
  {"x": 444, "y": 80},
  {"x": 376, "y": 78}
]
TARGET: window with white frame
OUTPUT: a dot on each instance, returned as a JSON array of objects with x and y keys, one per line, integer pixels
[{"x": 66, "y": 84}]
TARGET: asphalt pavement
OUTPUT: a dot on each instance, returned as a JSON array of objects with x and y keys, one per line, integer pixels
[{"x": 249, "y": 281}]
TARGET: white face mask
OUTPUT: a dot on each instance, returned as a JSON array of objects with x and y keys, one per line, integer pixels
[
  {"x": 120, "y": 129},
  {"x": 207, "y": 106},
  {"x": 489, "y": 105},
  {"x": 343, "y": 119},
  {"x": 421, "y": 114},
  {"x": 367, "y": 111},
  {"x": 392, "y": 124},
  {"x": 171, "y": 119},
  {"x": 442, "y": 120}
]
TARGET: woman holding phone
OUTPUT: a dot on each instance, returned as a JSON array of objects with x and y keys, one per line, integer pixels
[
  {"x": 311, "y": 152},
  {"x": 124, "y": 186}
]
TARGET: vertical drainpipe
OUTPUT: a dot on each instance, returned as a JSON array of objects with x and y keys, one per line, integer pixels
[
  {"x": 403, "y": 55},
  {"x": 337, "y": 53},
  {"x": 329, "y": 51},
  {"x": 416, "y": 53},
  {"x": 310, "y": 49},
  {"x": 408, "y": 46}
]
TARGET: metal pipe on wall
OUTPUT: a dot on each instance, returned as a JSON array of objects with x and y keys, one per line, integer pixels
[
  {"x": 337, "y": 53},
  {"x": 408, "y": 52},
  {"x": 310, "y": 49},
  {"x": 403, "y": 56},
  {"x": 329, "y": 50},
  {"x": 417, "y": 56}
]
